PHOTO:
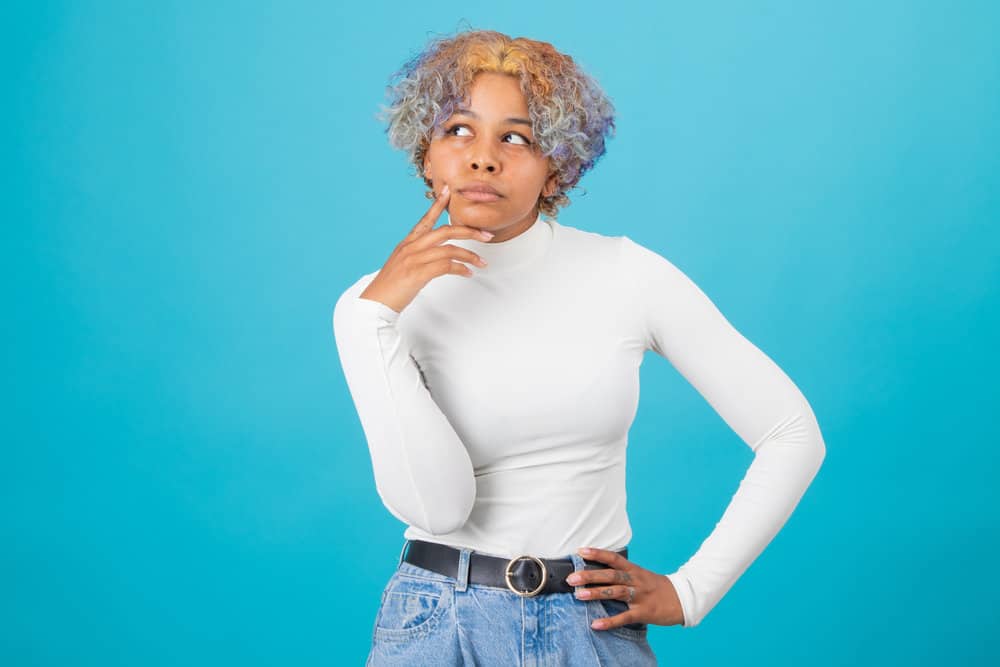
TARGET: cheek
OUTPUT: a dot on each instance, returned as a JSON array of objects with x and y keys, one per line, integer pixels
[
  {"x": 536, "y": 177},
  {"x": 536, "y": 173},
  {"x": 444, "y": 167},
  {"x": 435, "y": 160}
]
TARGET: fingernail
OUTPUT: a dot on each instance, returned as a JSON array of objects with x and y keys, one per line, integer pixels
[
  {"x": 573, "y": 579},
  {"x": 444, "y": 190},
  {"x": 486, "y": 235},
  {"x": 586, "y": 550},
  {"x": 597, "y": 625}
]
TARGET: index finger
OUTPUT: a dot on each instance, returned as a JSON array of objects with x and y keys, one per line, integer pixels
[
  {"x": 612, "y": 558},
  {"x": 430, "y": 218}
]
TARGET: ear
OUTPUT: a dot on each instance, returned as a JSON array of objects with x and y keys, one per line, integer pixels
[
  {"x": 551, "y": 186},
  {"x": 427, "y": 166}
]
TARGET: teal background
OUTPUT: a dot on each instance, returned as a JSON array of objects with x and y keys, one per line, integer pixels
[{"x": 188, "y": 187}]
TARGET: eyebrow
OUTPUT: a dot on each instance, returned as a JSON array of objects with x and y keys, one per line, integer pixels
[{"x": 473, "y": 114}]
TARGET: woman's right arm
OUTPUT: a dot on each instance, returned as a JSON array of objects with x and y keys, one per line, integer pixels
[{"x": 423, "y": 472}]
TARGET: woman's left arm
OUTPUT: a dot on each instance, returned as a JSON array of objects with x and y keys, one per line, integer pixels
[{"x": 754, "y": 397}]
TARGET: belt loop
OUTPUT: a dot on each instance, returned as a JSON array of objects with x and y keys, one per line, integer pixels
[
  {"x": 578, "y": 565},
  {"x": 462, "y": 576},
  {"x": 406, "y": 543}
]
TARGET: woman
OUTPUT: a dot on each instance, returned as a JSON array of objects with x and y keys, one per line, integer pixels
[{"x": 494, "y": 363}]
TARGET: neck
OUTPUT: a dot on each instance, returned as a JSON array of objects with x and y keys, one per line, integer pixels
[{"x": 517, "y": 250}]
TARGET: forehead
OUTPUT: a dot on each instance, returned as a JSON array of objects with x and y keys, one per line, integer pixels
[{"x": 495, "y": 93}]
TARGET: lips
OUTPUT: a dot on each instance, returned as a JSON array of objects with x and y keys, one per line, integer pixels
[{"x": 479, "y": 192}]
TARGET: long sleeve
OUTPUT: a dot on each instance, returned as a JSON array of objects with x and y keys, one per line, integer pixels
[
  {"x": 423, "y": 472},
  {"x": 754, "y": 397}
]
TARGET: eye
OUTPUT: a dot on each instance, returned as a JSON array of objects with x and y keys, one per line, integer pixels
[
  {"x": 454, "y": 128},
  {"x": 522, "y": 140}
]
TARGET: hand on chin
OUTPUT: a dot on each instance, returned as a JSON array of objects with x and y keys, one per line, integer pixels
[{"x": 464, "y": 221}]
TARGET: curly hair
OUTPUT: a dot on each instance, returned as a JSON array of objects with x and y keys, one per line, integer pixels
[{"x": 570, "y": 114}]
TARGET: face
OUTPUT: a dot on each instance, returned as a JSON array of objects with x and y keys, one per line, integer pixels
[{"x": 489, "y": 142}]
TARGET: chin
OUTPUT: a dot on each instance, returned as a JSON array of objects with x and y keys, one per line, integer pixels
[{"x": 478, "y": 216}]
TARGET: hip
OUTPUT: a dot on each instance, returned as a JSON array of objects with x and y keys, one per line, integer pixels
[{"x": 430, "y": 618}]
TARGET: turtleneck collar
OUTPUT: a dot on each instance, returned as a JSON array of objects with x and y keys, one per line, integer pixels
[{"x": 515, "y": 252}]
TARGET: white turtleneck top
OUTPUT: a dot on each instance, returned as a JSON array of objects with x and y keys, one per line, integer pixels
[{"x": 497, "y": 407}]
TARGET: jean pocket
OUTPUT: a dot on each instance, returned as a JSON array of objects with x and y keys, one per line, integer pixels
[
  {"x": 411, "y": 607},
  {"x": 611, "y": 607}
]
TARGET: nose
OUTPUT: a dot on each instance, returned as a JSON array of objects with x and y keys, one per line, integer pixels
[
  {"x": 488, "y": 166},
  {"x": 483, "y": 157}
]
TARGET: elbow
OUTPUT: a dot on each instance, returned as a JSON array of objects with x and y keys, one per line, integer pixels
[
  {"x": 818, "y": 444},
  {"x": 820, "y": 452},
  {"x": 797, "y": 437},
  {"x": 442, "y": 516},
  {"x": 446, "y": 526},
  {"x": 338, "y": 318},
  {"x": 449, "y": 517},
  {"x": 811, "y": 442}
]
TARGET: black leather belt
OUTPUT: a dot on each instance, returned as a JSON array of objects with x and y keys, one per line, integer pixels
[{"x": 525, "y": 575}]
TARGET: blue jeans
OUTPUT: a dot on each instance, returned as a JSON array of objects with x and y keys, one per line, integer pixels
[{"x": 426, "y": 618}]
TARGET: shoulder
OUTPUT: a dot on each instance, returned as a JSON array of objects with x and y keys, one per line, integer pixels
[
  {"x": 646, "y": 262},
  {"x": 585, "y": 243},
  {"x": 633, "y": 255},
  {"x": 571, "y": 234}
]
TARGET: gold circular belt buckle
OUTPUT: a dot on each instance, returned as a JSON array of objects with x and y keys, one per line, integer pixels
[{"x": 525, "y": 594}]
